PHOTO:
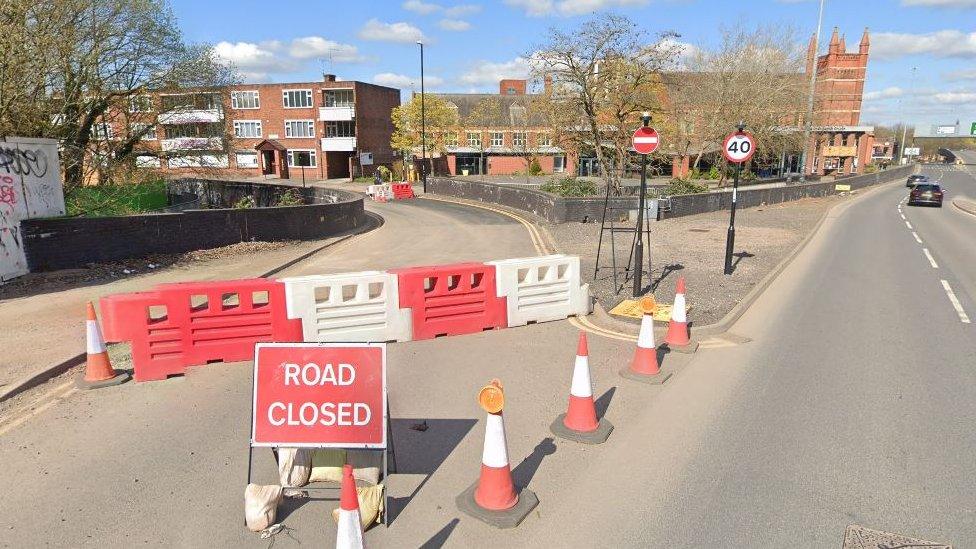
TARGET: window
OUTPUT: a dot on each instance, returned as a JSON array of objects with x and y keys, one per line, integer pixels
[
  {"x": 247, "y": 159},
  {"x": 245, "y": 100},
  {"x": 518, "y": 139},
  {"x": 301, "y": 157},
  {"x": 148, "y": 131},
  {"x": 101, "y": 130},
  {"x": 474, "y": 139},
  {"x": 299, "y": 128},
  {"x": 296, "y": 99},
  {"x": 451, "y": 139},
  {"x": 140, "y": 103},
  {"x": 497, "y": 139},
  {"x": 544, "y": 140},
  {"x": 247, "y": 128},
  {"x": 339, "y": 98},
  {"x": 559, "y": 164},
  {"x": 176, "y": 131},
  {"x": 191, "y": 101},
  {"x": 345, "y": 128}
]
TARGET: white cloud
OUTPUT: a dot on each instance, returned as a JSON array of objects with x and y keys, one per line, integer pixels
[
  {"x": 955, "y": 98},
  {"x": 423, "y": 8},
  {"x": 485, "y": 72},
  {"x": 257, "y": 61},
  {"x": 886, "y": 93},
  {"x": 462, "y": 10},
  {"x": 565, "y": 8},
  {"x": 374, "y": 29},
  {"x": 403, "y": 81},
  {"x": 454, "y": 25},
  {"x": 944, "y": 43},
  {"x": 962, "y": 74},
  {"x": 940, "y": 3}
]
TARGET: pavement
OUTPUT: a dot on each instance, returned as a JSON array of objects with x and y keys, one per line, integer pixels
[{"x": 843, "y": 395}]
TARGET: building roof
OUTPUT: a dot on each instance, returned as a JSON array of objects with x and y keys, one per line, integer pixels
[{"x": 466, "y": 102}]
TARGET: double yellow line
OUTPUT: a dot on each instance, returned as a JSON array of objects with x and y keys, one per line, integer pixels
[{"x": 543, "y": 247}]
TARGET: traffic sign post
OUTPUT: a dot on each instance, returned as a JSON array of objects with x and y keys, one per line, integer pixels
[
  {"x": 645, "y": 141},
  {"x": 738, "y": 147}
]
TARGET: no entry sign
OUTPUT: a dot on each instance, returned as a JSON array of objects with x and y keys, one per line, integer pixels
[
  {"x": 645, "y": 140},
  {"x": 739, "y": 147},
  {"x": 319, "y": 395}
]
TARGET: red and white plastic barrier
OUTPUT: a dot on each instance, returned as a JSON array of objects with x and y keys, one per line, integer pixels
[{"x": 541, "y": 289}]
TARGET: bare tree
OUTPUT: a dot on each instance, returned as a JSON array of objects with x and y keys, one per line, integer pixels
[{"x": 604, "y": 74}]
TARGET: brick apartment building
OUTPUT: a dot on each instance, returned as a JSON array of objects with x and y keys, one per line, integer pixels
[{"x": 334, "y": 128}]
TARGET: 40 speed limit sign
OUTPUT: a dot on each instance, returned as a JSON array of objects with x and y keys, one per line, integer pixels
[{"x": 738, "y": 147}]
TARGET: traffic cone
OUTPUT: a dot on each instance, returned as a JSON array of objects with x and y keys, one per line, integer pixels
[
  {"x": 98, "y": 368},
  {"x": 350, "y": 528},
  {"x": 644, "y": 366},
  {"x": 493, "y": 498},
  {"x": 580, "y": 423},
  {"x": 678, "y": 336}
]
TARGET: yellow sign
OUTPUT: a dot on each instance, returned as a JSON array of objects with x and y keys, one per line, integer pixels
[
  {"x": 842, "y": 187},
  {"x": 835, "y": 150},
  {"x": 632, "y": 308}
]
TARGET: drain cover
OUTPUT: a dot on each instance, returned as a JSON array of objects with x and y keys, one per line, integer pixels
[{"x": 859, "y": 537}]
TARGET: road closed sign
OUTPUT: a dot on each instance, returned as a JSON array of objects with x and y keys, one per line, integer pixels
[{"x": 319, "y": 395}]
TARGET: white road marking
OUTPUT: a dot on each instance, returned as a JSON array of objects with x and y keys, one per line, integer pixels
[
  {"x": 931, "y": 259},
  {"x": 917, "y": 239},
  {"x": 907, "y": 224},
  {"x": 963, "y": 317},
  {"x": 902, "y": 216}
]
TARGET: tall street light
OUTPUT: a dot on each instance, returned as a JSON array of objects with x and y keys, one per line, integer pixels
[
  {"x": 423, "y": 120},
  {"x": 904, "y": 126},
  {"x": 813, "y": 85}
]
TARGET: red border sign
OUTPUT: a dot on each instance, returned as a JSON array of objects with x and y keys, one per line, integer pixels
[
  {"x": 738, "y": 147},
  {"x": 645, "y": 140},
  {"x": 319, "y": 395}
]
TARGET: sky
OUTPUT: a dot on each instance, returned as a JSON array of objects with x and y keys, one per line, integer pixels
[{"x": 470, "y": 45}]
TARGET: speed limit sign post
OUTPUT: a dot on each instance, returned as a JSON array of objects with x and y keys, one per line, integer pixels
[{"x": 738, "y": 147}]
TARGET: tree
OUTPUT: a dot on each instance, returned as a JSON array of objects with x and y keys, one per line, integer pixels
[
  {"x": 482, "y": 117},
  {"x": 604, "y": 75},
  {"x": 440, "y": 119},
  {"x": 753, "y": 75},
  {"x": 87, "y": 58}
]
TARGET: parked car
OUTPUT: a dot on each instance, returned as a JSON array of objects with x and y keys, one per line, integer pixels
[
  {"x": 925, "y": 193},
  {"x": 916, "y": 178}
]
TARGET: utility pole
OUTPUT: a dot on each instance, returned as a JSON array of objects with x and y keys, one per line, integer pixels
[
  {"x": 904, "y": 126},
  {"x": 813, "y": 85},
  {"x": 423, "y": 120}
]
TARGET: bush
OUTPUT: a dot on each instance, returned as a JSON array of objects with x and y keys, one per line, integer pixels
[
  {"x": 245, "y": 203},
  {"x": 108, "y": 200},
  {"x": 713, "y": 173},
  {"x": 569, "y": 187},
  {"x": 681, "y": 186},
  {"x": 385, "y": 173},
  {"x": 534, "y": 167},
  {"x": 291, "y": 197},
  {"x": 871, "y": 168}
]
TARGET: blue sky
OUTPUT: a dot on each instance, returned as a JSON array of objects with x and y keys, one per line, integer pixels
[{"x": 473, "y": 43}]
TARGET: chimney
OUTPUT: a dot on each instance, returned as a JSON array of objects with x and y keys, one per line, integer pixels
[
  {"x": 811, "y": 53},
  {"x": 842, "y": 47},
  {"x": 834, "y": 42},
  {"x": 511, "y": 86},
  {"x": 865, "y": 43},
  {"x": 547, "y": 84},
  {"x": 329, "y": 77}
]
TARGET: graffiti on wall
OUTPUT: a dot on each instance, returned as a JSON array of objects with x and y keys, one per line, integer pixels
[{"x": 30, "y": 186}]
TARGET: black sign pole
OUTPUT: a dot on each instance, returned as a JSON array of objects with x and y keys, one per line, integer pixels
[
  {"x": 639, "y": 248},
  {"x": 730, "y": 237}
]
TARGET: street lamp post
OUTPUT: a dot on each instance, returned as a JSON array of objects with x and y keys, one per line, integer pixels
[
  {"x": 423, "y": 120},
  {"x": 813, "y": 84},
  {"x": 904, "y": 126}
]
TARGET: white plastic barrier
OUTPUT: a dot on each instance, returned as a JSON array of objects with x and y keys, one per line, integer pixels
[
  {"x": 380, "y": 192},
  {"x": 539, "y": 289},
  {"x": 353, "y": 307}
]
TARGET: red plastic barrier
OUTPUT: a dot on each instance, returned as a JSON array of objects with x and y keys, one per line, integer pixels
[
  {"x": 191, "y": 323},
  {"x": 402, "y": 190},
  {"x": 451, "y": 299}
]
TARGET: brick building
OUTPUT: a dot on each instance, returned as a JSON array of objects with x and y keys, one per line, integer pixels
[{"x": 264, "y": 129}]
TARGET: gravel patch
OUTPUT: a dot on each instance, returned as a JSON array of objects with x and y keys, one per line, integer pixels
[{"x": 694, "y": 247}]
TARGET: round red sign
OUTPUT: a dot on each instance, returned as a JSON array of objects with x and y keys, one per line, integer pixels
[
  {"x": 738, "y": 147},
  {"x": 645, "y": 140}
]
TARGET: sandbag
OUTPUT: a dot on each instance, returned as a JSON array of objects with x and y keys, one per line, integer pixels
[
  {"x": 294, "y": 468},
  {"x": 371, "y": 502},
  {"x": 261, "y": 506},
  {"x": 327, "y": 466}
]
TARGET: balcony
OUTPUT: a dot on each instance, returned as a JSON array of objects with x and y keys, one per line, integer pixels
[
  {"x": 338, "y": 143},
  {"x": 194, "y": 116},
  {"x": 192, "y": 144},
  {"x": 335, "y": 114}
]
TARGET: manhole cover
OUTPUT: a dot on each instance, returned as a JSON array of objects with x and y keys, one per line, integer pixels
[{"x": 859, "y": 537}]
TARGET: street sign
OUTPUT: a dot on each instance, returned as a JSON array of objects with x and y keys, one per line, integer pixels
[
  {"x": 738, "y": 147},
  {"x": 645, "y": 140},
  {"x": 319, "y": 395},
  {"x": 913, "y": 151}
]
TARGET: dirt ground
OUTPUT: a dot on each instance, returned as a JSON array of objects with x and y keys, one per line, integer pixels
[{"x": 693, "y": 247}]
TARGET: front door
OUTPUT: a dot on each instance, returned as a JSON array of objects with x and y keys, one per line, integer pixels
[{"x": 269, "y": 162}]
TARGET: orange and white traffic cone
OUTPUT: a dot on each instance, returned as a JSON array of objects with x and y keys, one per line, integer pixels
[
  {"x": 644, "y": 366},
  {"x": 494, "y": 498},
  {"x": 580, "y": 423},
  {"x": 350, "y": 528},
  {"x": 678, "y": 336},
  {"x": 98, "y": 368}
]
